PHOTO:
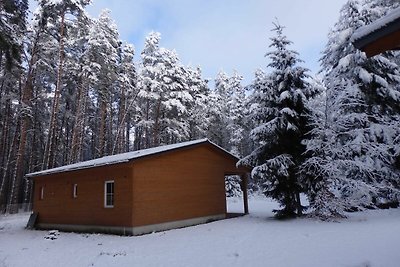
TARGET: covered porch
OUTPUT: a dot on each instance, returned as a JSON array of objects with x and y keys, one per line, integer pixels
[{"x": 243, "y": 185}]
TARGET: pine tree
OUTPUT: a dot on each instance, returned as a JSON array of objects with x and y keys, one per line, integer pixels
[
  {"x": 127, "y": 98},
  {"x": 165, "y": 96},
  {"x": 176, "y": 100},
  {"x": 12, "y": 27},
  {"x": 58, "y": 10},
  {"x": 281, "y": 115},
  {"x": 12, "y": 146},
  {"x": 219, "y": 111},
  {"x": 82, "y": 74},
  {"x": 236, "y": 115},
  {"x": 103, "y": 54},
  {"x": 198, "y": 110}
]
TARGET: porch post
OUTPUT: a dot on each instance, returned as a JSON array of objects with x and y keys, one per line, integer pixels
[{"x": 243, "y": 185}]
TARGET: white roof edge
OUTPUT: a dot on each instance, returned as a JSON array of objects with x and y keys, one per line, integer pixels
[
  {"x": 122, "y": 158},
  {"x": 365, "y": 30}
]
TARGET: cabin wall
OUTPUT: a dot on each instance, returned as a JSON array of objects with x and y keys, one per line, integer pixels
[
  {"x": 59, "y": 207},
  {"x": 179, "y": 185},
  {"x": 172, "y": 189},
  {"x": 383, "y": 44}
]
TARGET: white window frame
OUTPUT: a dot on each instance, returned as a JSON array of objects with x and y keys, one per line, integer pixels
[
  {"x": 75, "y": 190},
  {"x": 106, "y": 193},
  {"x": 41, "y": 196}
]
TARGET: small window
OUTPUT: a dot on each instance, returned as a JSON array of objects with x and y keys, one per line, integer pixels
[
  {"x": 75, "y": 191},
  {"x": 41, "y": 196},
  {"x": 109, "y": 194}
]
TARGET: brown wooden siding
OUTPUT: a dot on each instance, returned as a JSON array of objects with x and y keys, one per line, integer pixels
[
  {"x": 389, "y": 42},
  {"x": 59, "y": 206},
  {"x": 187, "y": 183}
]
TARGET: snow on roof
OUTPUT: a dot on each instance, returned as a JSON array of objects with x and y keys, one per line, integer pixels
[
  {"x": 121, "y": 158},
  {"x": 376, "y": 25}
]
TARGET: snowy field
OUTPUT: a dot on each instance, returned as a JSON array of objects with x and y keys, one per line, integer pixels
[{"x": 370, "y": 238}]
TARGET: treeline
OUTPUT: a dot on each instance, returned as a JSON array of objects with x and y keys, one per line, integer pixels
[{"x": 71, "y": 90}]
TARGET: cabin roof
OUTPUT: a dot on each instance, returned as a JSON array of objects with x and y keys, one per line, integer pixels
[
  {"x": 385, "y": 26},
  {"x": 125, "y": 157}
]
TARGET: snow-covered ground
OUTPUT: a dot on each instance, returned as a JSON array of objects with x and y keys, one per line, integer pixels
[{"x": 370, "y": 238}]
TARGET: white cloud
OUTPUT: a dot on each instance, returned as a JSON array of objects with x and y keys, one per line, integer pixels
[{"x": 225, "y": 34}]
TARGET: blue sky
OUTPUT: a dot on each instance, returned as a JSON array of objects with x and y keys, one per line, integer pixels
[{"x": 225, "y": 34}]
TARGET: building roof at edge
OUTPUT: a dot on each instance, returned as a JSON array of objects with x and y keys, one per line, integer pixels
[{"x": 368, "y": 33}]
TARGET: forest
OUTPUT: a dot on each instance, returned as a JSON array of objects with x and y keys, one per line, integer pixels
[{"x": 71, "y": 91}]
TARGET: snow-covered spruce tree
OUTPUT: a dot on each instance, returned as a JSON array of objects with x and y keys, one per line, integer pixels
[
  {"x": 232, "y": 186},
  {"x": 281, "y": 115},
  {"x": 318, "y": 173},
  {"x": 353, "y": 146}
]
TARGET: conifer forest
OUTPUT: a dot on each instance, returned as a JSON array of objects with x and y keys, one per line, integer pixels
[{"x": 71, "y": 90}]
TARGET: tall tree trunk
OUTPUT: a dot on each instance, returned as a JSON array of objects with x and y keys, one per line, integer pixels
[
  {"x": 49, "y": 155},
  {"x": 26, "y": 116},
  {"x": 5, "y": 183},
  {"x": 127, "y": 133},
  {"x": 63, "y": 136},
  {"x": 137, "y": 142},
  {"x": 102, "y": 128},
  {"x": 120, "y": 138},
  {"x": 2, "y": 128},
  {"x": 26, "y": 113},
  {"x": 83, "y": 122},
  {"x": 156, "y": 129},
  {"x": 125, "y": 124},
  {"x": 147, "y": 127},
  {"x": 6, "y": 146},
  {"x": 109, "y": 130},
  {"x": 38, "y": 139},
  {"x": 4, "y": 135},
  {"x": 77, "y": 132},
  {"x": 124, "y": 127},
  {"x": 33, "y": 163}
]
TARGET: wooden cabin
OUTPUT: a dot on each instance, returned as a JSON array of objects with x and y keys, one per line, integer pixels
[
  {"x": 379, "y": 36},
  {"x": 138, "y": 192}
]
